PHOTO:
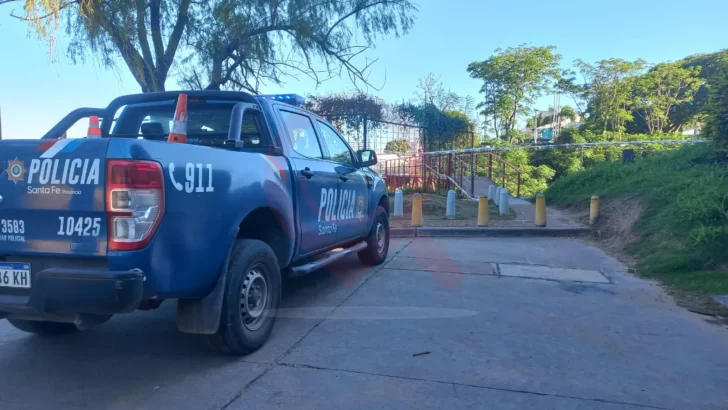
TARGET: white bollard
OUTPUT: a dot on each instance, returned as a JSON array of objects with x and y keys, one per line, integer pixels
[
  {"x": 450, "y": 210},
  {"x": 398, "y": 203},
  {"x": 503, "y": 204},
  {"x": 498, "y": 191},
  {"x": 491, "y": 193}
]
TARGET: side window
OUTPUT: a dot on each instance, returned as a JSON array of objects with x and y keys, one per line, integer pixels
[
  {"x": 338, "y": 150},
  {"x": 303, "y": 137}
]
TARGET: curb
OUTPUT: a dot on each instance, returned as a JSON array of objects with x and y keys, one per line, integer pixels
[{"x": 484, "y": 232}]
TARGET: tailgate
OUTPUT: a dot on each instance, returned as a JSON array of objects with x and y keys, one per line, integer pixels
[{"x": 52, "y": 197}]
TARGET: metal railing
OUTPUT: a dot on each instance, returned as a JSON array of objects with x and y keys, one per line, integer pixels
[
  {"x": 441, "y": 172},
  {"x": 466, "y": 170}
]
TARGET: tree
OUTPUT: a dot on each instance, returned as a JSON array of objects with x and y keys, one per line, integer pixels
[
  {"x": 568, "y": 112},
  {"x": 358, "y": 105},
  {"x": 442, "y": 129},
  {"x": 693, "y": 114},
  {"x": 609, "y": 90},
  {"x": 430, "y": 90},
  {"x": 512, "y": 80},
  {"x": 716, "y": 126},
  {"x": 659, "y": 90},
  {"x": 567, "y": 84},
  {"x": 399, "y": 146},
  {"x": 237, "y": 44},
  {"x": 348, "y": 112}
]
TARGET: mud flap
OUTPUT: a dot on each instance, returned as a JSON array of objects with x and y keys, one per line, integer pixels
[{"x": 202, "y": 316}]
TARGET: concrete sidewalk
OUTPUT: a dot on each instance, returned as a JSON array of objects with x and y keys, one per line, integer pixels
[
  {"x": 526, "y": 215},
  {"x": 525, "y": 210}
]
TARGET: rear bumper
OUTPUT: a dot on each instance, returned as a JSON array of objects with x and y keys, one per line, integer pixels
[{"x": 78, "y": 291}]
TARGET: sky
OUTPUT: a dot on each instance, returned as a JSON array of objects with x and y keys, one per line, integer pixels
[{"x": 37, "y": 89}]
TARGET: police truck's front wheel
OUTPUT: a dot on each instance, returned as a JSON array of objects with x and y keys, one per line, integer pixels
[
  {"x": 377, "y": 241},
  {"x": 252, "y": 296}
]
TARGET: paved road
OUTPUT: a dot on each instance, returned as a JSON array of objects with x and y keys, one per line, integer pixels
[{"x": 498, "y": 323}]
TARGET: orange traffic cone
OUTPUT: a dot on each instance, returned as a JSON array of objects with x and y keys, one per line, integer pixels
[
  {"x": 94, "y": 131},
  {"x": 179, "y": 126}
]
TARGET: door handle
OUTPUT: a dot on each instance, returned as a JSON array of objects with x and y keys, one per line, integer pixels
[
  {"x": 343, "y": 178},
  {"x": 307, "y": 173}
]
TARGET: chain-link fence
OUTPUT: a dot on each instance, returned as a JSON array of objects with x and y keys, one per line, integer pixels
[{"x": 384, "y": 137}]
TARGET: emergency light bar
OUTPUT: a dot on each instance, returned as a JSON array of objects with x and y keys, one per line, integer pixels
[{"x": 293, "y": 99}]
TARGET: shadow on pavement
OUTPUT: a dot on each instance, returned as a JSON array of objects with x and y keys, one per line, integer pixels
[{"x": 139, "y": 359}]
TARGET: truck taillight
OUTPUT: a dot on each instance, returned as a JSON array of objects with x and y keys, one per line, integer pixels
[{"x": 134, "y": 202}]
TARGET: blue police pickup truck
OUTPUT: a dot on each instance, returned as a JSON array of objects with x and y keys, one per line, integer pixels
[{"x": 123, "y": 219}]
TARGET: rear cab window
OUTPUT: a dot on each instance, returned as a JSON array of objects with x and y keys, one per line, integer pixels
[{"x": 208, "y": 123}]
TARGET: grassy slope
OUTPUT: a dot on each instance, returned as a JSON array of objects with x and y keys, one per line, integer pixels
[{"x": 684, "y": 227}]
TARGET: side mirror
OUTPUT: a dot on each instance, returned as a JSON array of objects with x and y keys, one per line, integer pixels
[{"x": 366, "y": 157}]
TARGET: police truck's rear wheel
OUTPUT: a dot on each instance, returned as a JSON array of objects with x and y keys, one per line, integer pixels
[
  {"x": 377, "y": 241},
  {"x": 43, "y": 328},
  {"x": 252, "y": 296}
]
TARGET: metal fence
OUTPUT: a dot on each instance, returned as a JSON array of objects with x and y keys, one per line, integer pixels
[
  {"x": 398, "y": 138},
  {"x": 384, "y": 137}
]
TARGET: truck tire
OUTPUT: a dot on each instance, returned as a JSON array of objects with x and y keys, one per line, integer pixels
[
  {"x": 251, "y": 300},
  {"x": 377, "y": 241},
  {"x": 43, "y": 328}
]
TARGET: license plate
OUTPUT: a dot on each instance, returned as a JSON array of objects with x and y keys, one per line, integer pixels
[{"x": 15, "y": 275}]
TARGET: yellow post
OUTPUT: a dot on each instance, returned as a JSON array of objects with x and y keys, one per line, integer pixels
[
  {"x": 417, "y": 210},
  {"x": 594, "y": 210},
  {"x": 483, "y": 211},
  {"x": 540, "y": 210}
]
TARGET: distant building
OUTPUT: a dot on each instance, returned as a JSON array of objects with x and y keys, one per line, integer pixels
[{"x": 562, "y": 120}]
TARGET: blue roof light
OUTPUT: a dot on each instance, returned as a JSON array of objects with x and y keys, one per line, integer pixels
[{"x": 292, "y": 99}]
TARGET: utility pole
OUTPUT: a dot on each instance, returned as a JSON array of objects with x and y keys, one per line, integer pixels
[
  {"x": 556, "y": 124},
  {"x": 472, "y": 163}
]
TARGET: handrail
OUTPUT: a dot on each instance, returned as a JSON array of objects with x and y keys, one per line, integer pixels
[
  {"x": 463, "y": 190},
  {"x": 413, "y": 167},
  {"x": 499, "y": 158}
]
